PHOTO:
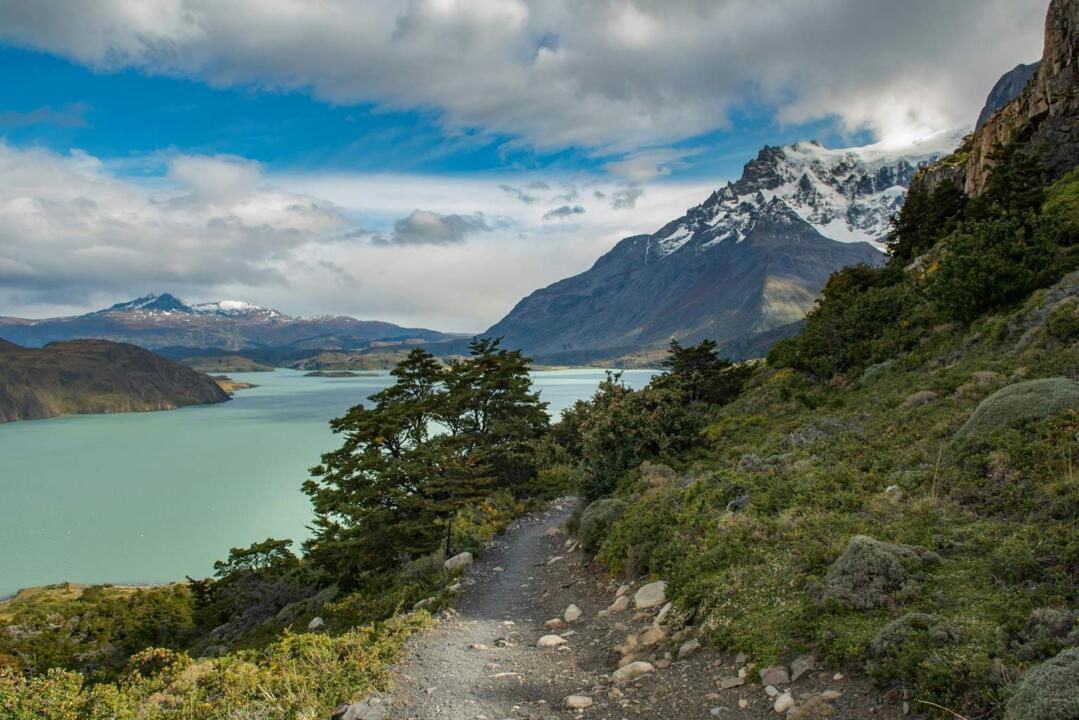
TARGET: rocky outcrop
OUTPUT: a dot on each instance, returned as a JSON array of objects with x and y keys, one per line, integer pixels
[
  {"x": 1044, "y": 117},
  {"x": 95, "y": 376},
  {"x": 1007, "y": 88}
]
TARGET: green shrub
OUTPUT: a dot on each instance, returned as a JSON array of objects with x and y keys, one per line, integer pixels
[
  {"x": 1063, "y": 321},
  {"x": 597, "y": 520},
  {"x": 871, "y": 573},
  {"x": 1049, "y": 691},
  {"x": 901, "y": 646},
  {"x": 1032, "y": 399}
]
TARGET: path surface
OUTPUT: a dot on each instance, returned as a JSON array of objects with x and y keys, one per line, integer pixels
[{"x": 481, "y": 660}]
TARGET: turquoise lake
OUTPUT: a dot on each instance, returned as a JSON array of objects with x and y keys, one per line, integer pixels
[{"x": 154, "y": 497}]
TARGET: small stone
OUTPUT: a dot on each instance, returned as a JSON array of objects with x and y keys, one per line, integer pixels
[
  {"x": 731, "y": 682},
  {"x": 425, "y": 603},
  {"x": 454, "y": 588},
  {"x": 651, "y": 595},
  {"x": 743, "y": 703},
  {"x": 770, "y": 691},
  {"x": 550, "y": 641},
  {"x": 622, "y": 590},
  {"x": 712, "y": 697},
  {"x": 614, "y": 693},
  {"x": 663, "y": 612},
  {"x": 316, "y": 624},
  {"x": 652, "y": 636},
  {"x": 461, "y": 560},
  {"x": 663, "y": 663},
  {"x": 553, "y": 624},
  {"x": 837, "y": 677},
  {"x": 578, "y": 702},
  {"x": 632, "y": 671},
  {"x": 800, "y": 666},
  {"x": 775, "y": 675},
  {"x": 477, "y": 646},
  {"x": 620, "y": 603},
  {"x": 831, "y": 694},
  {"x": 553, "y": 532},
  {"x": 740, "y": 658},
  {"x": 572, "y": 614},
  {"x": 688, "y": 648},
  {"x": 783, "y": 703}
]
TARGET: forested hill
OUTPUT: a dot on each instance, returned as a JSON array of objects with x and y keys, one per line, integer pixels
[{"x": 95, "y": 376}]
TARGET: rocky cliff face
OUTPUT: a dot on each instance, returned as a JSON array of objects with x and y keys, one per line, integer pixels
[
  {"x": 1006, "y": 89},
  {"x": 95, "y": 376},
  {"x": 749, "y": 260},
  {"x": 1044, "y": 117}
]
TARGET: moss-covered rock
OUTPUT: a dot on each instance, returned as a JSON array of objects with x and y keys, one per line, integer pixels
[
  {"x": 871, "y": 573},
  {"x": 596, "y": 522},
  {"x": 1049, "y": 691},
  {"x": 1030, "y": 400}
]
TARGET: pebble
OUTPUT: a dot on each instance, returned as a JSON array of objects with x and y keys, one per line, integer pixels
[
  {"x": 550, "y": 641},
  {"x": 775, "y": 675},
  {"x": 770, "y": 691},
  {"x": 800, "y": 666},
  {"x": 622, "y": 590},
  {"x": 578, "y": 702},
  {"x": 631, "y": 671},
  {"x": 553, "y": 623},
  {"x": 743, "y": 703},
  {"x": 730, "y": 682},
  {"x": 477, "y": 646},
  {"x": 572, "y": 614},
  {"x": 783, "y": 703},
  {"x": 620, "y": 603},
  {"x": 316, "y": 624},
  {"x": 688, "y": 648}
]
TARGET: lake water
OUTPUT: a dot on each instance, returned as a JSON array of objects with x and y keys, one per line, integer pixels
[{"x": 153, "y": 497}]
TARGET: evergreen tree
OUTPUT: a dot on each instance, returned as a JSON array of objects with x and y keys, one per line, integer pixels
[{"x": 701, "y": 374}]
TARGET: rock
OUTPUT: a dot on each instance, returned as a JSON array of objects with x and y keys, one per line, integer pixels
[
  {"x": 837, "y": 677},
  {"x": 369, "y": 709},
  {"x": 550, "y": 641},
  {"x": 775, "y": 675},
  {"x": 425, "y": 603},
  {"x": 316, "y": 624},
  {"x": 614, "y": 693},
  {"x": 622, "y": 590},
  {"x": 783, "y": 703},
  {"x": 553, "y": 624},
  {"x": 831, "y": 694},
  {"x": 688, "y": 648},
  {"x": 743, "y": 703},
  {"x": 553, "y": 532},
  {"x": 461, "y": 560},
  {"x": 771, "y": 691},
  {"x": 871, "y": 573},
  {"x": 800, "y": 666},
  {"x": 477, "y": 646},
  {"x": 620, "y": 604},
  {"x": 731, "y": 682},
  {"x": 651, "y": 595},
  {"x": 663, "y": 663},
  {"x": 661, "y": 617},
  {"x": 632, "y": 671},
  {"x": 454, "y": 588},
  {"x": 577, "y": 702},
  {"x": 572, "y": 614},
  {"x": 741, "y": 658},
  {"x": 652, "y": 636}
]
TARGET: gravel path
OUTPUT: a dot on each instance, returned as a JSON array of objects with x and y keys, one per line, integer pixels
[{"x": 481, "y": 661}]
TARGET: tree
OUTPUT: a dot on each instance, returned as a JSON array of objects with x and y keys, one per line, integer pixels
[
  {"x": 702, "y": 375},
  {"x": 269, "y": 557},
  {"x": 435, "y": 441}
]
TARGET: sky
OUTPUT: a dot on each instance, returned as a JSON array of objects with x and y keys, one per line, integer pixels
[{"x": 429, "y": 162}]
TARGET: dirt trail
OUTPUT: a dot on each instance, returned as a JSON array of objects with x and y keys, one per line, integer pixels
[{"x": 481, "y": 660}]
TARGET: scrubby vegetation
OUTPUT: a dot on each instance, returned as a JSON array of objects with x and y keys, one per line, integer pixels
[
  {"x": 435, "y": 464},
  {"x": 896, "y": 489}
]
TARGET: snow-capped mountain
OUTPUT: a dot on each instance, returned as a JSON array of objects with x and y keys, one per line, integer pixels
[
  {"x": 165, "y": 321},
  {"x": 750, "y": 259}
]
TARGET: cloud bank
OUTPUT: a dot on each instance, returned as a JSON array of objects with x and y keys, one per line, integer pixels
[{"x": 614, "y": 76}]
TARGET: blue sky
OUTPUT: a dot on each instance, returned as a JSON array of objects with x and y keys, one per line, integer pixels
[{"x": 428, "y": 162}]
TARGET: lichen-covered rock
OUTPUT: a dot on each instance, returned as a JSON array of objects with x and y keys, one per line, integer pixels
[
  {"x": 1029, "y": 400},
  {"x": 596, "y": 522},
  {"x": 871, "y": 573},
  {"x": 1049, "y": 691}
]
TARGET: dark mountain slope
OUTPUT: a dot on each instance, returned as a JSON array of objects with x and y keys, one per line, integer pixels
[{"x": 95, "y": 376}]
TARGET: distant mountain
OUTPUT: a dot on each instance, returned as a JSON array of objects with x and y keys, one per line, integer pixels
[
  {"x": 749, "y": 260},
  {"x": 165, "y": 321},
  {"x": 1006, "y": 89},
  {"x": 95, "y": 376}
]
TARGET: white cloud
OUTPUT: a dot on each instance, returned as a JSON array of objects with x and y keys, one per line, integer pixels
[
  {"x": 614, "y": 76},
  {"x": 459, "y": 251}
]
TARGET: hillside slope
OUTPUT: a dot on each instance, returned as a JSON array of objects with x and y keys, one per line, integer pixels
[{"x": 95, "y": 376}]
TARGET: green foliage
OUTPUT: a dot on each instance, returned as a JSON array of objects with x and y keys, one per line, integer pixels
[
  {"x": 701, "y": 375},
  {"x": 297, "y": 677},
  {"x": 871, "y": 573},
  {"x": 93, "y": 630},
  {"x": 435, "y": 442},
  {"x": 1063, "y": 321},
  {"x": 925, "y": 217},
  {"x": 270, "y": 557},
  {"x": 1049, "y": 691},
  {"x": 1032, "y": 399},
  {"x": 597, "y": 520}
]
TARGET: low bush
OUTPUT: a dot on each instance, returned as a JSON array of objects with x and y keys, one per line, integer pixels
[
  {"x": 596, "y": 522},
  {"x": 1032, "y": 399}
]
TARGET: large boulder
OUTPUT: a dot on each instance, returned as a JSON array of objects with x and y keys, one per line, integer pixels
[
  {"x": 871, "y": 573},
  {"x": 457, "y": 562},
  {"x": 1029, "y": 400},
  {"x": 596, "y": 522},
  {"x": 651, "y": 595},
  {"x": 1049, "y": 691}
]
